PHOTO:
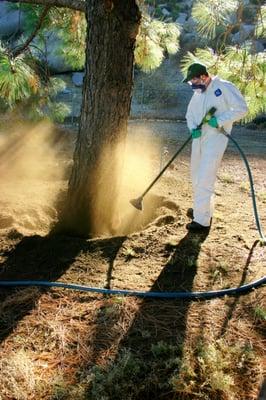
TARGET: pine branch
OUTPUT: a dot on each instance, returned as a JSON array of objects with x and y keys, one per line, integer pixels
[
  {"x": 79, "y": 5},
  {"x": 34, "y": 33}
]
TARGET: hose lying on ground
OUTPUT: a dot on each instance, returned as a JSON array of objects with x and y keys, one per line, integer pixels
[{"x": 163, "y": 295}]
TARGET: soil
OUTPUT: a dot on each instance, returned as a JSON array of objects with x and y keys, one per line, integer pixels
[{"x": 52, "y": 338}]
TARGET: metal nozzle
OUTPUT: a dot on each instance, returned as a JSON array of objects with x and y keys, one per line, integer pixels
[{"x": 137, "y": 203}]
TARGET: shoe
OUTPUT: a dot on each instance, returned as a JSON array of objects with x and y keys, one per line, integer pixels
[
  {"x": 196, "y": 227},
  {"x": 190, "y": 213}
]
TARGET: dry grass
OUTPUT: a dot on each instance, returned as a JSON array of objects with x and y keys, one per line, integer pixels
[{"x": 74, "y": 346}]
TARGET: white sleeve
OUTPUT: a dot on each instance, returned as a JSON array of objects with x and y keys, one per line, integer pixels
[
  {"x": 237, "y": 106},
  {"x": 190, "y": 117}
]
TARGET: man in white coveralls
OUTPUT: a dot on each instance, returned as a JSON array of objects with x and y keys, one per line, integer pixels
[{"x": 209, "y": 144}]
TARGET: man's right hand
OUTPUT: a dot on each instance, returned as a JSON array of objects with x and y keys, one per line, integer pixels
[{"x": 195, "y": 133}]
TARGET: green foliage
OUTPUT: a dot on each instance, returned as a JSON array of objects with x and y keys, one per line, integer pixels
[
  {"x": 209, "y": 373},
  {"x": 70, "y": 28},
  {"x": 246, "y": 70},
  {"x": 72, "y": 32},
  {"x": 22, "y": 89},
  {"x": 260, "y": 313},
  {"x": 58, "y": 112},
  {"x": 44, "y": 103},
  {"x": 154, "y": 40},
  {"x": 32, "y": 16},
  {"x": 260, "y": 31},
  {"x": 135, "y": 376},
  {"x": 18, "y": 81},
  {"x": 214, "y": 16}
]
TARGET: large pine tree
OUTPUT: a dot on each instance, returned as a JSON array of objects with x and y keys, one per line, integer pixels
[{"x": 112, "y": 29}]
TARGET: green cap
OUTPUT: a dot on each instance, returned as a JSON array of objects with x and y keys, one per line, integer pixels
[{"x": 195, "y": 70}]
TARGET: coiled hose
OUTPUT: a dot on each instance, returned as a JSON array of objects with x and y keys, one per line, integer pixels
[{"x": 166, "y": 295}]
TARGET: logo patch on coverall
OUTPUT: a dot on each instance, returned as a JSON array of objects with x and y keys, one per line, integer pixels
[{"x": 218, "y": 92}]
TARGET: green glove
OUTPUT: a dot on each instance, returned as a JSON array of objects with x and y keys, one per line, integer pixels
[
  {"x": 195, "y": 133},
  {"x": 213, "y": 122}
]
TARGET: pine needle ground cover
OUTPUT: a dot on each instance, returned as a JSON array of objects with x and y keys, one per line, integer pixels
[{"x": 60, "y": 344}]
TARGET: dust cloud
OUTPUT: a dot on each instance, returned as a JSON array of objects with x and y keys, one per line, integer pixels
[
  {"x": 33, "y": 163},
  {"x": 135, "y": 164},
  {"x": 30, "y": 177}
]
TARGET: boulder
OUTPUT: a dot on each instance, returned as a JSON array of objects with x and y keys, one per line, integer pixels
[
  {"x": 165, "y": 12},
  {"x": 244, "y": 33},
  {"x": 181, "y": 19},
  {"x": 186, "y": 4},
  {"x": 77, "y": 78},
  {"x": 55, "y": 61},
  {"x": 260, "y": 46},
  {"x": 11, "y": 21},
  {"x": 189, "y": 41},
  {"x": 190, "y": 25}
]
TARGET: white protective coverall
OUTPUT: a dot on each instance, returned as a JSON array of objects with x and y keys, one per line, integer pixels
[{"x": 207, "y": 150}]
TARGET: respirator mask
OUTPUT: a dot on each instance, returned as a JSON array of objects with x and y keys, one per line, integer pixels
[{"x": 198, "y": 87}]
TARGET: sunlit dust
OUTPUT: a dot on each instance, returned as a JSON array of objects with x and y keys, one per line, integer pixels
[
  {"x": 135, "y": 165},
  {"x": 30, "y": 173}
]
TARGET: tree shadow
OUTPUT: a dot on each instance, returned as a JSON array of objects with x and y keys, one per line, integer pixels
[
  {"x": 45, "y": 259},
  {"x": 177, "y": 275},
  {"x": 156, "y": 320},
  {"x": 235, "y": 302}
]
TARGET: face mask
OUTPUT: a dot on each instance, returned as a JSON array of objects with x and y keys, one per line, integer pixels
[{"x": 198, "y": 88}]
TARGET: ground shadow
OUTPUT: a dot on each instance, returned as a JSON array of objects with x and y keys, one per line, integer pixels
[
  {"x": 156, "y": 321},
  {"x": 235, "y": 301},
  {"x": 177, "y": 275},
  {"x": 44, "y": 258}
]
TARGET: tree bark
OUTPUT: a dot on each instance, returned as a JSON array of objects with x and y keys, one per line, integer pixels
[{"x": 111, "y": 34}]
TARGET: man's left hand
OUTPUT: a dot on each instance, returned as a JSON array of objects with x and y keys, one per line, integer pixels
[{"x": 213, "y": 122}]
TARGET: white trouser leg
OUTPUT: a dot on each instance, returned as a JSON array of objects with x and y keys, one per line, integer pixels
[{"x": 206, "y": 157}]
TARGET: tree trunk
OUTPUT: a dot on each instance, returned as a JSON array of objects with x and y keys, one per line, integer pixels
[{"x": 111, "y": 34}]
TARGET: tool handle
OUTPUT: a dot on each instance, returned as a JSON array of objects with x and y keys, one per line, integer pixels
[
  {"x": 167, "y": 165},
  {"x": 210, "y": 113}
]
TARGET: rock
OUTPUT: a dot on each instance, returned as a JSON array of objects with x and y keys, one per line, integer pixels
[
  {"x": 71, "y": 96},
  {"x": 189, "y": 41},
  {"x": 56, "y": 62},
  {"x": 165, "y": 12},
  {"x": 11, "y": 21},
  {"x": 245, "y": 32},
  {"x": 190, "y": 25},
  {"x": 186, "y": 4},
  {"x": 77, "y": 78},
  {"x": 259, "y": 46},
  {"x": 182, "y": 17},
  {"x": 235, "y": 38}
]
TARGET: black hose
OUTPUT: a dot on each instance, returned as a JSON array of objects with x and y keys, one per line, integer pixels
[{"x": 163, "y": 295}]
